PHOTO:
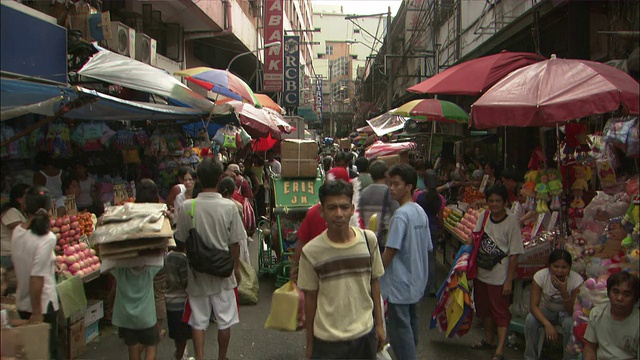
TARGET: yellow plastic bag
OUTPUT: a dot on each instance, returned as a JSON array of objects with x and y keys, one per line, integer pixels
[{"x": 287, "y": 309}]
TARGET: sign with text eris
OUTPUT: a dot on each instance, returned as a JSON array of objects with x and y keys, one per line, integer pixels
[{"x": 273, "y": 31}]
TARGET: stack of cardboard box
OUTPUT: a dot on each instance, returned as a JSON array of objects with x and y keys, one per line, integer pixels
[{"x": 299, "y": 158}]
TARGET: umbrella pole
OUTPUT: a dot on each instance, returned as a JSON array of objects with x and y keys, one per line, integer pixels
[
  {"x": 433, "y": 129},
  {"x": 504, "y": 151}
]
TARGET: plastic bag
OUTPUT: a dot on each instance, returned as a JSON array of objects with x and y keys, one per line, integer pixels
[
  {"x": 384, "y": 354},
  {"x": 72, "y": 297},
  {"x": 287, "y": 309},
  {"x": 248, "y": 287}
]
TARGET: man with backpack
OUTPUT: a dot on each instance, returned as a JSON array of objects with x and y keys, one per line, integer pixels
[{"x": 218, "y": 229}]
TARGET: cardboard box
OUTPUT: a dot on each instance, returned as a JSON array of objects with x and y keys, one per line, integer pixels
[
  {"x": 95, "y": 312},
  {"x": 92, "y": 331},
  {"x": 345, "y": 144},
  {"x": 391, "y": 160},
  {"x": 299, "y": 149},
  {"x": 73, "y": 339},
  {"x": 26, "y": 342},
  {"x": 299, "y": 158},
  {"x": 299, "y": 169}
]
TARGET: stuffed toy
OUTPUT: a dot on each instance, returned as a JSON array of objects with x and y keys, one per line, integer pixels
[
  {"x": 529, "y": 190},
  {"x": 582, "y": 175},
  {"x": 555, "y": 189},
  {"x": 614, "y": 236},
  {"x": 542, "y": 193}
]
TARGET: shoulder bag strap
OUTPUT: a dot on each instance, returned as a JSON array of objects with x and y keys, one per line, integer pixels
[
  {"x": 193, "y": 211},
  {"x": 487, "y": 213}
]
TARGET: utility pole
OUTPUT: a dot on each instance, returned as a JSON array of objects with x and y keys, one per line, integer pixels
[
  {"x": 387, "y": 67},
  {"x": 330, "y": 100}
]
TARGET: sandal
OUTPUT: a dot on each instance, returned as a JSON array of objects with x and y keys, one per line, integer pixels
[
  {"x": 497, "y": 357},
  {"x": 482, "y": 345}
]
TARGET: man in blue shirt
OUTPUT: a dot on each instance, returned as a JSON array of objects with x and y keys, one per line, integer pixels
[{"x": 406, "y": 263}]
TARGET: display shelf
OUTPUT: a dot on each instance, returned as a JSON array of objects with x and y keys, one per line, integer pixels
[
  {"x": 91, "y": 276},
  {"x": 456, "y": 236}
]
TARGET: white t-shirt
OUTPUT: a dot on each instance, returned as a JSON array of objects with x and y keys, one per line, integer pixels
[
  {"x": 33, "y": 256},
  {"x": 275, "y": 165},
  {"x": 506, "y": 234},
  {"x": 9, "y": 217},
  {"x": 615, "y": 339},
  {"x": 178, "y": 201},
  {"x": 551, "y": 298}
]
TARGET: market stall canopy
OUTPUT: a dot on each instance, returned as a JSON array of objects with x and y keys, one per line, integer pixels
[
  {"x": 476, "y": 76},
  {"x": 386, "y": 123},
  {"x": 380, "y": 148},
  {"x": 365, "y": 129},
  {"x": 553, "y": 91},
  {"x": 106, "y": 107},
  {"x": 19, "y": 97},
  {"x": 222, "y": 82},
  {"x": 432, "y": 110},
  {"x": 256, "y": 122},
  {"x": 121, "y": 70}
]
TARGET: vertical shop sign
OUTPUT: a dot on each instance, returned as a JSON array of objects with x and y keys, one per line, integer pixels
[
  {"x": 318, "y": 104},
  {"x": 291, "y": 71},
  {"x": 274, "y": 69}
]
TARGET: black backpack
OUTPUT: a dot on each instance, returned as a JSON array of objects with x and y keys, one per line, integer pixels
[{"x": 204, "y": 258}]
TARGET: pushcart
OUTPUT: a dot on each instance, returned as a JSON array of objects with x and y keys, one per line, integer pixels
[{"x": 277, "y": 234}]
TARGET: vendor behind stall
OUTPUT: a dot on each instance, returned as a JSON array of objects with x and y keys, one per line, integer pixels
[
  {"x": 49, "y": 175},
  {"x": 70, "y": 186},
  {"x": 12, "y": 216}
]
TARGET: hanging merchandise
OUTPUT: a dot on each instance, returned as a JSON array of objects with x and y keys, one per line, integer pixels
[
  {"x": 243, "y": 138},
  {"x": 37, "y": 142},
  {"x": 542, "y": 192},
  {"x": 141, "y": 138},
  {"x": 617, "y": 131},
  {"x": 157, "y": 145},
  {"x": 125, "y": 139},
  {"x": 93, "y": 136},
  {"x": 582, "y": 175},
  {"x": 59, "y": 140},
  {"x": 12, "y": 150},
  {"x": 226, "y": 136}
]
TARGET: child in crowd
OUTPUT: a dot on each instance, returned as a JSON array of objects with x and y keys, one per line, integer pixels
[
  {"x": 553, "y": 292},
  {"x": 176, "y": 270}
]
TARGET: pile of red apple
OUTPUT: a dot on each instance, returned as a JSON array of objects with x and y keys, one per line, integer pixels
[
  {"x": 78, "y": 259},
  {"x": 67, "y": 231}
]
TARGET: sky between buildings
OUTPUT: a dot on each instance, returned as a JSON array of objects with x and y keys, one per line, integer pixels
[{"x": 363, "y": 7}]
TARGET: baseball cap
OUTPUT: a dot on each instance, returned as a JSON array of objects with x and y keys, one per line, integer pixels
[{"x": 233, "y": 167}]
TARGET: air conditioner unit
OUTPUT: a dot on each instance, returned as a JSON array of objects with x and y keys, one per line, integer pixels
[
  {"x": 123, "y": 39},
  {"x": 146, "y": 49}
]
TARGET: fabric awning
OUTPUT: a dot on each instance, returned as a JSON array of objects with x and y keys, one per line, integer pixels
[
  {"x": 19, "y": 97},
  {"x": 107, "y": 107},
  {"x": 114, "y": 68}
]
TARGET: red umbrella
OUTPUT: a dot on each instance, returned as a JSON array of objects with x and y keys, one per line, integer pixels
[
  {"x": 263, "y": 144},
  {"x": 476, "y": 76},
  {"x": 554, "y": 91},
  {"x": 256, "y": 122}
]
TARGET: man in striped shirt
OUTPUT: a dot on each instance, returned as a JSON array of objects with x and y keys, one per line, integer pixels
[{"x": 339, "y": 272}]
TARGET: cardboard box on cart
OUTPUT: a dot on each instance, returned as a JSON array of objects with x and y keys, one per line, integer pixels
[{"x": 299, "y": 158}]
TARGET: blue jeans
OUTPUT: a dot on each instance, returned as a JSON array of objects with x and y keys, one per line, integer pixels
[
  {"x": 532, "y": 332},
  {"x": 403, "y": 330}
]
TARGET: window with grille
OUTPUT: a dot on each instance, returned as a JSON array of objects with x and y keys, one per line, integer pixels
[{"x": 329, "y": 50}]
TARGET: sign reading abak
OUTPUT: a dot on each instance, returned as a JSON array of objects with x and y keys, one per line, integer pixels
[
  {"x": 273, "y": 30},
  {"x": 291, "y": 71}
]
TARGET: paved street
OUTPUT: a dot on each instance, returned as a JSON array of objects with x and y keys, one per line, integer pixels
[{"x": 249, "y": 339}]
